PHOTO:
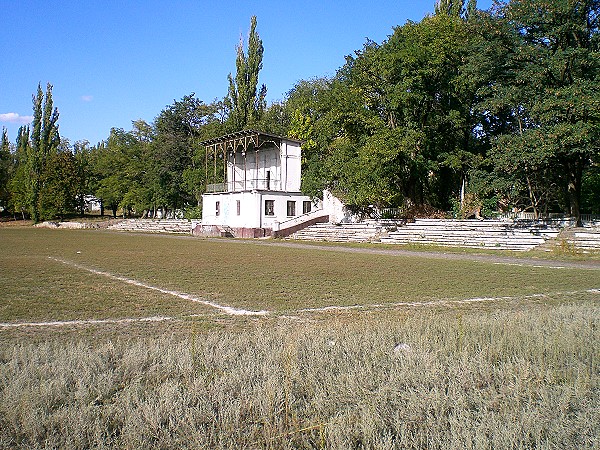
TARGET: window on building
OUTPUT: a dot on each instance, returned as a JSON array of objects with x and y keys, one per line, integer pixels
[
  {"x": 291, "y": 208},
  {"x": 239, "y": 207},
  {"x": 306, "y": 207},
  {"x": 269, "y": 207},
  {"x": 217, "y": 208}
]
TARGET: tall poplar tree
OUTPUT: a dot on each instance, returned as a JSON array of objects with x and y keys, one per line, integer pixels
[
  {"x": 245, "y": 100},
  {"x": 19, "y": 180},
  {"x": 5, "y": 163},
  {"x": 44, "y": 140}
]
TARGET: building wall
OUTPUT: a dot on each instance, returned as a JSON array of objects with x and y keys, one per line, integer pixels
[
  {"x": 291, "y": 164},
  {"x": 250, "y": 171},
  {"x": 280, "y": 202},
  {"x": 246, "y": 184},
  {"x": 338, "y": 213},
  {"x": 252, "y": 208},
  {"x": 283, "y": 164}
]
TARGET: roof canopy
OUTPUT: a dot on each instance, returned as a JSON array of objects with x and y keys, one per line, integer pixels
[{"x": 245, "y": 139}]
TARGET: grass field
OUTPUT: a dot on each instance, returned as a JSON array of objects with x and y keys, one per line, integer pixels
[{"x": 498, "y": 354}]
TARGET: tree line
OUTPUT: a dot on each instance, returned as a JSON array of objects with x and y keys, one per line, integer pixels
[{"x": 465, "y": 110}]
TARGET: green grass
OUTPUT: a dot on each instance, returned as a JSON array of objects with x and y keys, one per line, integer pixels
[
  {"x": 561, "y": 252},
  {"x": 240, "y": 274}
]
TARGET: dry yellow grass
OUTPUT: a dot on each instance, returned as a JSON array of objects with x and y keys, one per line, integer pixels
[{"x": 465, "y": 379}]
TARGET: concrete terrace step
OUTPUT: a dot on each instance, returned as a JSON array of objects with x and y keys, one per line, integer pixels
[
  {"x": 492, "y": 234},
  {"x": 495, "y": 234},
  {"x": 508, "y": 243},
  {"x": 588, "y": 239},
  {"x": 153, "y": 226},
  {"x": 352, "y": 232}
]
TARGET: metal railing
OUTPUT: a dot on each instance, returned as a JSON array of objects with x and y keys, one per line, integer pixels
[
  {"x": 215, "y": 187},
  {"x": 247, "y": 185},
  {"x": 587, "y": 218},
  {"x": 391, "y": 213}
]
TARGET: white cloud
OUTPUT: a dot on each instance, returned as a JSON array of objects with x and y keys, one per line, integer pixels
[
  {"x": 87, "y": 98},
  {"x": 15, "y": 118}
]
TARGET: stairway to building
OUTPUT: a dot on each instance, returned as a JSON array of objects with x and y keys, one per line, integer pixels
[{"x": 180, "y": 226}]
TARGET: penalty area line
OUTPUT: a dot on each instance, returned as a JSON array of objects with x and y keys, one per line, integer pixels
[
  {"x": 225, "y": 309},
  {"x": 61, "y": 323},
  {"x": 442, "y": 302}
]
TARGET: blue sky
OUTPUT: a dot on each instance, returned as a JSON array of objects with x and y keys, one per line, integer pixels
[{"x": 112, "y": 62}]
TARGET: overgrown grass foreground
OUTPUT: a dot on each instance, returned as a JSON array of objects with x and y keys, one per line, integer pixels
[
  {"x": 513, "y": 373},
  {"x": 463, "y": 379}
]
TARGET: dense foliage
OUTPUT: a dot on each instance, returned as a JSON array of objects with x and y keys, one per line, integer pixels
[{"x": 466, "y": 110}]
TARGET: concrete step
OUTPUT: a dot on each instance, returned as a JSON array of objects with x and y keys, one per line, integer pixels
[
  {"x": 496, "y": 234},
  {"x": 153, "y": 226}
]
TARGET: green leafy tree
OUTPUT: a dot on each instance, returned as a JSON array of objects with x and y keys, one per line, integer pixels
[
  {"x": 456, "y": 8},
  {"x": 312, "y": 107},
  {"x": 274, "y": 120},
  {"x": 19, "y": 183},
  {"x": 98, "y": 170},
  {"x": 84, "y": 175},
  {"x": 178, "y": 161},
  {"x": 548, "y": 94},
  {"x": 59, "y": 181},
  {"x": 44, "y": 142},
  {"x": 397, "y": 124},
  {"x": 245, "y": 100},
  {"x": 116, "y": 162},
  {"x": 591, "y": 190},
  {"x": 5, "y": 168}
]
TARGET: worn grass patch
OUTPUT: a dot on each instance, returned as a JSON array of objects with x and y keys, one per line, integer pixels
[
  {"x": 240, "y": 274},
  {"x": 36, "y": 288},
  {"x": 561, "y": 253}
]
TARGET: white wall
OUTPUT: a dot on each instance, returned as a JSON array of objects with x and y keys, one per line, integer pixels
[
  {"x": 249, "y": 209},
  {"x": 291, "y": 165},
  {"x": 280, "y": 202},
  {"x": 337, "y": 211},
  {"x": 252, "y": 208},
  {"x": 283, "y": 164}
]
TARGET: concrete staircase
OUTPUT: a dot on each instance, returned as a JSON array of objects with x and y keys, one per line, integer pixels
[
  {"x": 586, "y": 238},
  {"x": 346, "y": 232},
  {"x": 226, "y": 231},
  {"x": 489, "y": 234},
  {"x": 154, "y": 226},
  {"x": 582, "y": 239}
]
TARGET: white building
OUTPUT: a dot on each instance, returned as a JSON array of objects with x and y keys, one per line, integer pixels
[{"x": 260, "y": 195}]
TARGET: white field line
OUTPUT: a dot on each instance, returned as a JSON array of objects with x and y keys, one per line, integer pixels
[
  {"x": 225, "y": 309},
  {"x": 235, "y": 311},
  {"x": 528, "y": 265},
  {"x": 442, "y": 302},
  {"x": 60, "y": 323}
]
